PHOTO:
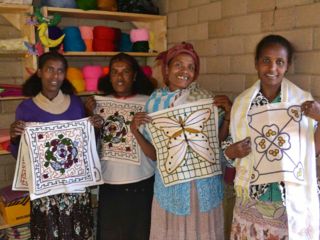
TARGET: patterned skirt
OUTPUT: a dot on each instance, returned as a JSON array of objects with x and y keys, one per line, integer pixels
[
  {"x": 259, "y": 220},
  {"x": 198, "y": 225},
  {"x": 62, "y": 216}
]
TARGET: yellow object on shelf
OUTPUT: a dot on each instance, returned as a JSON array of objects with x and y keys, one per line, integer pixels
[{"x": 14, "y": 210}]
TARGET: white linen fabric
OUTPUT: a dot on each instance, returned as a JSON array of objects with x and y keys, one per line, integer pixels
[
  {"x": 185, "y": 140},
  {"x": 57, "y": 157},
  {"x": 278, "y": 132}
]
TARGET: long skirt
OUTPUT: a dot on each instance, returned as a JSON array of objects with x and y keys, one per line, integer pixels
[
  {"x": 62, "y": 216},
  {"x": 259, "y": 220},
  {"x": 124, "y": 211},
  {"x": 196, "y": 226}
]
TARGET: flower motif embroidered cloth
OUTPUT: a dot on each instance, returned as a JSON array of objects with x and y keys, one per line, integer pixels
[
  {"x": 57, "y": 157},
  {"x": 278, "y": 143},
  {"x": 117, "y": 141},
  {"x": 185, "y": 141}
]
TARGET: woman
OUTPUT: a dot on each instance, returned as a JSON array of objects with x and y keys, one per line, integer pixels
[
  {"x": 125, "y": 198},
  {"x": 271, "y": 210},
  {"x": 60, "y": 216},
  {"x": 193, "y": 209}
]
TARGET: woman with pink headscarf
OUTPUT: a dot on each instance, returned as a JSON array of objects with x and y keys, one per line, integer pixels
[{"x": 192, "y": 209}]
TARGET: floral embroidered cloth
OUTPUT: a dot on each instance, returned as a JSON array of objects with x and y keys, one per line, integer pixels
[
  {"x": 185, "y": 141},
  {"x": 117, "y": 141},
  {"x": 278, "y": 133},
  {"x": 57, "y": 157}
]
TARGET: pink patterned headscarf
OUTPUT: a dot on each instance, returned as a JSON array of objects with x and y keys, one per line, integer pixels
[{"x": 186, "y": 48}]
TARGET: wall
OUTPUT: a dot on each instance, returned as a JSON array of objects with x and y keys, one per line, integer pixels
[{"x": 225, "y": 33}]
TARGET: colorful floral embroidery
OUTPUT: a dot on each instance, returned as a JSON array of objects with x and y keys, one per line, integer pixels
[{"x": 61, "y": 153}]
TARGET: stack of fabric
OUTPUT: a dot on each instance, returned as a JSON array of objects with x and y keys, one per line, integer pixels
[
  {"x": 21, "y": 232},
  {"x": 10, "y": 90},
  {"x": 4, "y": 140}
]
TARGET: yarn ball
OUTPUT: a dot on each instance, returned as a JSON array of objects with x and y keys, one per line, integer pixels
[
  {"x": 107, "y": 5},
  {"x": 91, "y": 74},
  {"x": 87, "y": 4},
  {"x": 60, "y": 3},
  {"x": 147, "y": 70},
  {"x": 140, "y": 46},
  {"x": 125, "y": 43},
  {"x": 72, "y": 40},
  {"x": 139, "y": 35},
  {"x": 74, "y": 75},
  {"x": 86, "y": 32}
]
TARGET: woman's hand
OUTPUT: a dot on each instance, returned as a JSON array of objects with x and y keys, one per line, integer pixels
[
  {"x": 224, "y": 102},
  {"x": 90, "y": 105},
  {"x": 239, "y": 149},
  {"x": 96, "y": 120},
  {"x": 139, "y": 119},
  {"x": 16, "y": 130},
  {"x": 311, "y": 109}
]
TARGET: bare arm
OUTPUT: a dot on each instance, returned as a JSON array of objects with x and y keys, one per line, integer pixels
[
  {"x": 312, "y": 109},
  {"x": 224, "y": 102},
  {"x": 239, "y": 149},
  {"x": 141, "y": 118}
]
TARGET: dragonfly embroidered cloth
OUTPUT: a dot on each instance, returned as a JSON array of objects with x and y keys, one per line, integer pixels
[
  {"x": 117, "y": 142},
  {"x": 57, "y": 157},
  {"x": 278, "y": 134},
  {"x": 185, "y": 138}
]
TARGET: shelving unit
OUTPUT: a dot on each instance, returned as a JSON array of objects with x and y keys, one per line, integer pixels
[
  {"x": 4, "y": 225},
  {"x": 17, "y": 15},
  {"x": 14, "y": 64},
  {"x": 155, "y": 23},
  {"x": 122, "y": 20}
]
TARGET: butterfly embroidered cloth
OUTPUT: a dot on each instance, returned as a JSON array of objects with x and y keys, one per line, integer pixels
[
  {"x": 117, "y": 142},
  {"x": 186, "y": 142},
  {"x": 57, "y": 157},
  {"x": 278, "y": 134}
]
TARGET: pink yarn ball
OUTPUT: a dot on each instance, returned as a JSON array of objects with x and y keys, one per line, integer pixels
[
  {"x": 91, "y": 74},
  {"x": 139, "y": 35}
]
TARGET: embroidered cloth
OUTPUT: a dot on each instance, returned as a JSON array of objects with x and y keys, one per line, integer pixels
[
  {"x": 117, "y": 142},
  {"x": 185, "y": 140},
  {"x": 57, "y": 157},
  {"x": 278, "y": 133}
]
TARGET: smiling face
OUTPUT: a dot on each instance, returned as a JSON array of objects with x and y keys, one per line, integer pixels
[
  {"x": 181, "y": 71},
  {"x": 122, "y": 78},
  {"x": 52, "y": 75},
  {"x": 272, "y": 64}
]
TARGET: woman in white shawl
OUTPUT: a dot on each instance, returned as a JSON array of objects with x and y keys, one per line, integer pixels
[{"x": 273, "y": 209}]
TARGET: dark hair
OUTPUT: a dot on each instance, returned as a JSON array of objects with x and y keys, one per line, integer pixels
[
  {"x": 142, "y": 85},
  {"x": 273, "y": 40},
  {"x": 33, "y": 85}
]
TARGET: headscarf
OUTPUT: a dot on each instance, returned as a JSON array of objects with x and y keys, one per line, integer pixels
[{"x": 184, "y": 47}]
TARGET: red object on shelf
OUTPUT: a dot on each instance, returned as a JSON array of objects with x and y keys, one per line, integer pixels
[{"x": 10, "y": 90}]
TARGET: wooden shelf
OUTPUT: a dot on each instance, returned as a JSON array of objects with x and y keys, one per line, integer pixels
[
  {"x": 154, "y": 23},
  {"x": 84, "y": 54},
  {"x": 106, "y": 15},
  {"x": 4, "y": 225},
  {"x": 14, "y": 8},
  {"x": 9, "y": 53},
  {"x": 4, "y": 152}
]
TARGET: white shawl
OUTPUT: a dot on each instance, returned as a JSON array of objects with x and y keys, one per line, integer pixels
[{"x": 301, "y": 199}]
